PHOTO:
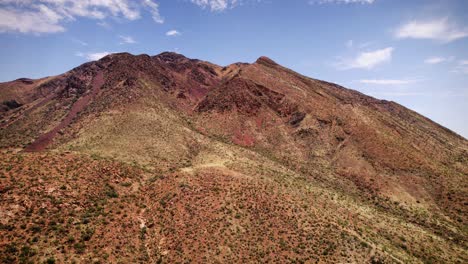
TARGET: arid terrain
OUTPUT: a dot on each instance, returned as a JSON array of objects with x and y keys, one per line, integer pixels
[{"x": 166, "y": 159}]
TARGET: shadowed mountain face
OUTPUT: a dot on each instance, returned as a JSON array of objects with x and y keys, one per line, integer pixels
[{"x": 165, "y": 158}]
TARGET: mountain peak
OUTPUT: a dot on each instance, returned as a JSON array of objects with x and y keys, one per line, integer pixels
[
  {"x": 266, "y": 61},
  {"x": 171, "y": 56}
]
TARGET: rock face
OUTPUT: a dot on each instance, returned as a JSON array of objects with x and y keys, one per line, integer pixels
[{"x": 284, "y": 167}]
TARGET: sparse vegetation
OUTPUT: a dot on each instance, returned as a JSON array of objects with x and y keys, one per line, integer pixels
[
  {"x": 111, "y": 192},
  {"x": 268, "y": 167}
]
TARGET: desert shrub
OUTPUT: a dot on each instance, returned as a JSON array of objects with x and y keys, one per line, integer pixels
[
  {"x": 36, "y": 229},
  {"x": 6, "y": 227},
  {"x": 80, "y": 248},
  {"x": 70, "y": 239},
  {"x": 11, "y": 249},
  {"x": 163, "y": 202},
  {"x": 50, "y": 260},
  {"x": 27, "y": 252},
  {"x": 111, "y": 192},
  {"x": 12, "y": 104},
  {"x": 87, "y": 233}
]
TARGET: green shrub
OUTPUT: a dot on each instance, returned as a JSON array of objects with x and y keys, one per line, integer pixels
[
  {"x": 111, "y": 192},
  {"x": 80, "y": 248},
  {"x": 50, "y": 260},
  {"x": 87, "y": 233}
]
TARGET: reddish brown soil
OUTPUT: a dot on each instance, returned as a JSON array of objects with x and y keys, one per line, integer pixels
[{"x": 44, "y": 140}]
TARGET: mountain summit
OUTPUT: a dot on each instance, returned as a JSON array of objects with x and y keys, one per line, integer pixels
[{"x": 166, "y": 158}]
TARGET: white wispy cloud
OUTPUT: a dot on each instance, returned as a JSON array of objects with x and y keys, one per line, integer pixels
[
  {"x": 341, "y": 1},
  {"x": 443, "y": 93},
  {"x": 50, "y": 16},
  {"x": 173, "y": 33},
  {"x": 388, "y": 81},
  {"x": 82, "y": 43},
  {"x": 462, "y": 67},
  {"x": 37, "y": 21},
  {"x": 398, "y": 94},
  {"x": 154, "y": 9},
  {"x": 436, "y": 60},
  {"x": 367, "y": 60},
  {"x": 126, "y": 40},
  {"x": 216, "y": 5},
  {"x": 438, "y": 29},
  {"x": 358, "y": 45},
  {"x": 104, "y": 24},
  {"x": 93, "y": 56}
]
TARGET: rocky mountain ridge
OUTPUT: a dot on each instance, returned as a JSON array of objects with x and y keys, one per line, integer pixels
[{"x": 290, "y": 168}]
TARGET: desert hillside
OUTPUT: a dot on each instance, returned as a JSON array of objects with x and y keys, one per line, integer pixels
[{"x": 166, "y": 159}]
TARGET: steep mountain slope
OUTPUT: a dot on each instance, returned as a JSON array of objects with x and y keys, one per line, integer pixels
[{"x": 243, "y": 163}]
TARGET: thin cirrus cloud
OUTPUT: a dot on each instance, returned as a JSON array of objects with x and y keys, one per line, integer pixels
[
  {"x": 173, "y": 33},
  {"x": 388, "y": 81},
  {"x": 216, "y": 5},
  {"x": 435, "y": 60},
  {"x": 154, "y": 10},
  {"x": 462, "y": 67},
  {"x": 367, "y": 60},
  {"x": 82, "y": 43},
  {"x": 51, "y": 16},
  {"x": 438, "y": 60},
  {"x": 341, "y": 1},
  {"x": 438, "y": 29},
  {"x": 93, "y": 56},
  {"x": 126, "y": 40}
]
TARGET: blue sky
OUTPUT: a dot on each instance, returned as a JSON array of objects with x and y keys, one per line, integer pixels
[{"x": 412, "y": 52}]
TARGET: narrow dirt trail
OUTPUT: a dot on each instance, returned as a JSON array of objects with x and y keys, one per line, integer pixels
[
  {"x": 44, "y": 140},
  {"x": 201, "y": 166}
]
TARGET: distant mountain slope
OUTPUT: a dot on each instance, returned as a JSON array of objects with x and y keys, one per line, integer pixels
[{"x": 284, "y": 168}]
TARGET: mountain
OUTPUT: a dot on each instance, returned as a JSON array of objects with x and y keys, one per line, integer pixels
[{"x": 169, "y": 159}]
